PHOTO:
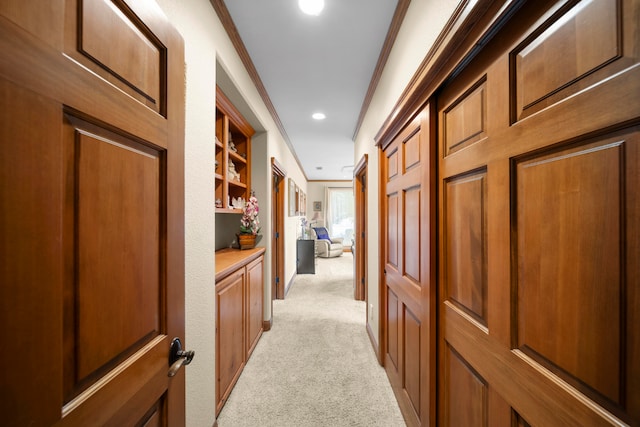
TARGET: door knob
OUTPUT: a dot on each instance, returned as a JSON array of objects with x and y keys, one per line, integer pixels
[{"x": 178, "y": 357}]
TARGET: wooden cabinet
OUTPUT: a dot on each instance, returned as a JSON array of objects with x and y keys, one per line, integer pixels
[
  {"x": 230, "y": 356},
  {"x": 239, "y": 312},
  {"x": 233, "y": 155},
  {"x": 254, "y": 286}
]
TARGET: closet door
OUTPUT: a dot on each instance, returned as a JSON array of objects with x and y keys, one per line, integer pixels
[
  {"x": 539, "y": 247},
  {"x": 409, "y": 285}
]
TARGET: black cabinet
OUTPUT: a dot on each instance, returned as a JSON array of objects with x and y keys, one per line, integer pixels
[{"x": 305, "y": 256}]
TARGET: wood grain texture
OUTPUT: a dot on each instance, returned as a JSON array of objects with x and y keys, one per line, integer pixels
[
  {"x": 37, "y": 61},
  {"x": 409, "y": 270},
  {"x": 465, "y": 241},
  {"x": 570, "y": 233},
  {"x": 465, "y": 120},
  {"x": 412, "y": 359},
  {"x": 239, "y": 314},
  {"x": 114, "y": 217},
  {"x": 466, "y": 395},
  {"x": 393, "y": 322},
  {"x": 570, "y": 279},
  {"x": 392, "y": 229},
  {"x": 230, "y": 336},
  {"x": 255, "y": 287},
  {"x": 138, "y": 61},
  {"x": 565, "y": 50},
  {"x": 30, "y": 254},
  {"x": 230, "y": 260},
  {"x": 412, "y": 223}
]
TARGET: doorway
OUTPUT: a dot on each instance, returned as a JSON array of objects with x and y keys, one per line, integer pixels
[
  {"x": 360, "y": 243},
  {"x": 277, "y": 223}
]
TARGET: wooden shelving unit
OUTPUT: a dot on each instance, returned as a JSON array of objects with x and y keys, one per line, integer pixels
[{"x": 232, "y": 130}]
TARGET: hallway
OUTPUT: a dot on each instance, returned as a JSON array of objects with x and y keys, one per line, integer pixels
[{"x": 316, "y": 366}]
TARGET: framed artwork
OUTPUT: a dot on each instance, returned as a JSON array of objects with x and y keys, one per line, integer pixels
[
  {"x": 292, "y": 197},
  {"x": 317, "y": 206},
  {"x": 303, "y": 203}
]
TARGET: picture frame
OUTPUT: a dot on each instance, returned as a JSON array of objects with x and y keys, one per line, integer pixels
[
  {"x": 317, "y": 206},
  {"x": 292, "y": 197}
]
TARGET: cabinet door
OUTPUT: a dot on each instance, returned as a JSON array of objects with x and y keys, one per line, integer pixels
[
  {"x": 254, "y": 303},
  {"x": 229, "y": 334}
]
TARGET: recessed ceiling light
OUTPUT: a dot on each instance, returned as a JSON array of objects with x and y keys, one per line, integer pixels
[
  {"x": 319, "y": 116},
  {"x": 311, "y": 7}
]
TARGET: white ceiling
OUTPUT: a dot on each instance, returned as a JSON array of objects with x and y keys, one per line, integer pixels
[{"x": 311, "y": 64}]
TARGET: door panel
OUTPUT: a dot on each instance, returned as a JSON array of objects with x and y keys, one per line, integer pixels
[
  {"x": 393, "y": 322},
  {"x": 569, "y": 209},
  {"x": 102, "y": 24},
  {"x": 465, "y": 243},
  {"x": 112, "y": 217},
  {"x": 538, "y": 176},
  {"x": 94, "y": 203},
  {"x": 466, "y": 393},
  {"x": 412, "y": 357},
  {"x": 409, "y": 270}
]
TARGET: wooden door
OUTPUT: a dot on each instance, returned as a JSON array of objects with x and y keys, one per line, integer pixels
[
  {"x": 92, "y": 223},
  {"x": 539, "y": 184},
  {"x": 360, "y": 241},
  {"x": 277, "y": 222},
  {"x": 409, "y": 285}
]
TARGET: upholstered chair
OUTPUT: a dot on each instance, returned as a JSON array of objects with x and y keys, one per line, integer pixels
[{"x": 326, "y": 246}]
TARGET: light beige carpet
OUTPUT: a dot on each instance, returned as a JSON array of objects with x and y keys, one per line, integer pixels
[{"x": 316, "y": 366}]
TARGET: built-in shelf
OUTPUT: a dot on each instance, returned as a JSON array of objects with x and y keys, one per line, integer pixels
[{"x": 233, "y": 146}]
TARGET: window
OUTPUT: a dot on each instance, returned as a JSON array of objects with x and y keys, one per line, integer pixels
[{"x": 340, "y": 214}]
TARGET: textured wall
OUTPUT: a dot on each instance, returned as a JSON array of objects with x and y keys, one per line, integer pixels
[{"x": 420, "y": 28}]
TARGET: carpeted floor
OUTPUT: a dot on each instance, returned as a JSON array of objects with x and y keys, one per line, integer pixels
[{"x": 316, "y": 366}]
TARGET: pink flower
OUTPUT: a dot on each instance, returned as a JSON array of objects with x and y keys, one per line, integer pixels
[{"x": 250, "y": 224}]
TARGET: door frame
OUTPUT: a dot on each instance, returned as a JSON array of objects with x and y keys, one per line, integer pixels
[
  {"x": 277, "y": 235},
  {"x": 360, "y": 190}
]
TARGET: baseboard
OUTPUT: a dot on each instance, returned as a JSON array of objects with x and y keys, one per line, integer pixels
[
  {"x": 374, "y": 344},
  {"x": 286, "y": 289},
  {"x": 266, "y": 324}
]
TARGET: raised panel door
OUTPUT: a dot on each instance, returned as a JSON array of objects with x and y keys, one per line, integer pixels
[
  {"x": 92, "y": 198},
  {"x": 409, "y": 347},
  {"x": 538, "y": 234}
]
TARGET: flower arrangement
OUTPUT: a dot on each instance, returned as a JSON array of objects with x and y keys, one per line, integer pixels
[{"x": 250, "y": 223}]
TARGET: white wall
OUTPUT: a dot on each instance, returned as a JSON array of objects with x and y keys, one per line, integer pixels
[
  {"x": 207, "y": 51},
  {"x": 422, "y": 24}
]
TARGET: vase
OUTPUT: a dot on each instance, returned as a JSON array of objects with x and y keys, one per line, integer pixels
[{"x": 246, "y": 241}]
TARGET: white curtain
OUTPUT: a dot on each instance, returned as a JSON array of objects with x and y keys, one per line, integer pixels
[{"x": 339, "y": 213}]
